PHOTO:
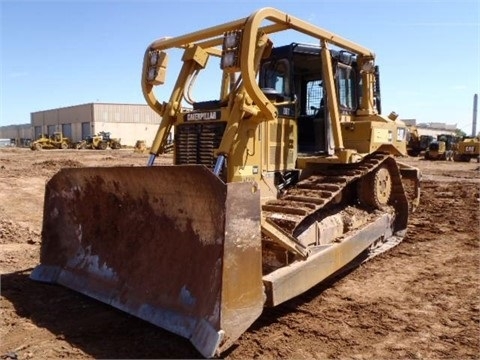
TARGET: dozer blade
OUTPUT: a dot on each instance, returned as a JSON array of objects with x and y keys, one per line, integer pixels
[{"x": 172, "y": 245}]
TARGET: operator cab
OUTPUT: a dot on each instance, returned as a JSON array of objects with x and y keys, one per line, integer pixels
[{"x": 292, "y": 77}]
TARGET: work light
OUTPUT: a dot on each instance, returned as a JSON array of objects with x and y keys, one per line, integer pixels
[
  {"x": 153, "y": 57},
  {"x": 231, "y": 51},
  {"x": 157, "y": 65}
]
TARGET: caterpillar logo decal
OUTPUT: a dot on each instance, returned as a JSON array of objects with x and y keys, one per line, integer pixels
[{"x": 205, "y": 115}]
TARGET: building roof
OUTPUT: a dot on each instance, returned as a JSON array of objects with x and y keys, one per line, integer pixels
[
  {"x": 438, "y": 126},
  {"x": 91, "y": 103}
]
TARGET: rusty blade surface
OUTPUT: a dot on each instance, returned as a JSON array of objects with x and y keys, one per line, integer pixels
[
  {"x": 243, "y": 295},
  {"x": 172, "y": 245}
]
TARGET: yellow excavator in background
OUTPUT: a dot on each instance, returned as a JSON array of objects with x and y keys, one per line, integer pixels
[{"x": 288, "y": 176}]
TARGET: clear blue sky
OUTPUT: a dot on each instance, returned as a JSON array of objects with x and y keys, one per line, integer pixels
[{"x": 63, "y": 53}]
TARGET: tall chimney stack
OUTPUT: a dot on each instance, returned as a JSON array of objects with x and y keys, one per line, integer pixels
[{"x": 475, "y": 108}]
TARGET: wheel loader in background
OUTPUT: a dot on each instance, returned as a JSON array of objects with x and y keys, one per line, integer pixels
[
  {"x": 101, "y": 141},
  {"x": 442, "y": 148},
  {"x": 288, "y": 176}
]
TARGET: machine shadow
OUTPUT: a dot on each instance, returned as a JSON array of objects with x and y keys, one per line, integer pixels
[
  {"x": 96, "y": 328},
  {"x": 107, "y": 333}
]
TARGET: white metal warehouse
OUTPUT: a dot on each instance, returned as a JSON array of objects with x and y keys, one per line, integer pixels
[
  {"x": 129, "y": 122},
  {"x": 19, "y": 135}
]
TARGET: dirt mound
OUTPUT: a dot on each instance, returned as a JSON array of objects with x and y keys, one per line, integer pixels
[
  {"x": 58, "y": 164},
  {"x": 14, "y": 233}
]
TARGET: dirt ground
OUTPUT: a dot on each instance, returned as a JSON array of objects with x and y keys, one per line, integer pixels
[{"x": 420, "y": 300}]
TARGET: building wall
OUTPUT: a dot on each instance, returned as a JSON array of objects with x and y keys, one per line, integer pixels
[
  {"x": 410, "y": 122},
  {"x": 435, "y": 129},
  {"x": 23, "y": 131},
  {"x": 129, "y": 122},
  {"x": 434, "y": 132},
  {"x": 20, "y": 134},
  {"x": 432, "y": 129},
  {"x": 50, "y": 121},
  {"x": 128, "y": 133},
  {"x": 125, "y": 114}
]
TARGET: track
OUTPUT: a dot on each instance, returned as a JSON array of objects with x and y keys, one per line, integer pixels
[{"x": 311, "y": 198}]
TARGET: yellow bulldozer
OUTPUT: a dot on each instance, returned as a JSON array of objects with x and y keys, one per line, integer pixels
[
  {"x": 54, "y": 141},
  {"x": 467, "y": 149},
  {"x": 287, "y": 176}
]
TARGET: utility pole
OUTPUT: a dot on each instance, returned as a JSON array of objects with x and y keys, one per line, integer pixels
[{"x": 475, "y": 110}]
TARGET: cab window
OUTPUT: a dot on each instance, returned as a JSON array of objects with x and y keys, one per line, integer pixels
[
  {"x": 314, "y": 99},
  {"x": 275, "y": 75}
]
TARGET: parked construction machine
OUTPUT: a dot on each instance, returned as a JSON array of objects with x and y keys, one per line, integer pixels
[
  {"x": 54, "y": 141},
  {"x": 101, "y": 141},
  {"x": 417, "y": 144},
  {"x": 467, "y": 149},
  {"x": 286, "y": 177},
  {"x": 442, "y": 148}
]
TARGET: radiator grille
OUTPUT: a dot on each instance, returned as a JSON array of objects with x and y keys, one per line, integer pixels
[{"x": 195, "y": 143}]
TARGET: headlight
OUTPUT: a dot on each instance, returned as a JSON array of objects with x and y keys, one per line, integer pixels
[
  {"x": 231, "y": 40},
  {"x": 152, "y": 73},
  {"x": 228, "y": 59},
  {"x": 157, "y": 66},
  {"x": 231, "y": 50},
  {"x": 153, "y": 57},
  {"x": 368, "y": 67}
]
